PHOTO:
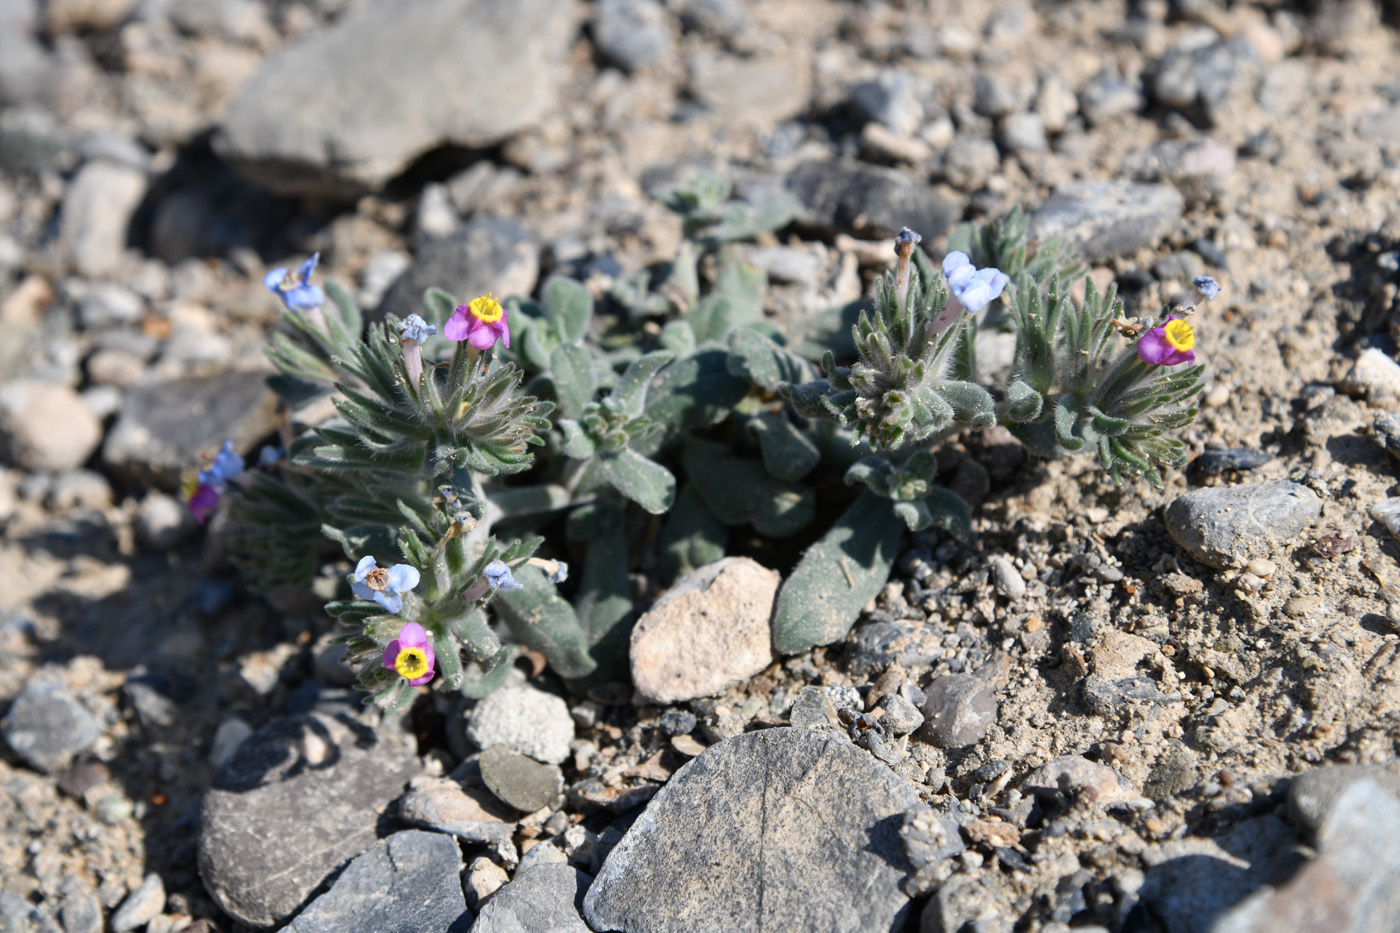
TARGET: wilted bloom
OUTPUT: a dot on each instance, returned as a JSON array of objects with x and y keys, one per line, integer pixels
[
  {"x": 974, "y": 288},
  {"x": 201, "y": 491},
  {"x": 413, "y": 330},
  {"x": 904, "y": 245},
  {"x": 480, "y": 323},
  {"x": 556, "y": 570},
  {"x": 385, "y": 587},
  {"x": 1169, "y": 344},
  {"x": 1206, "y": 286},
  {"x": 227, "y": 464},
  {"x": 296, "y": 291},
  {"x": 499, "y": 577},
  {"x": 410, "y": 655}
]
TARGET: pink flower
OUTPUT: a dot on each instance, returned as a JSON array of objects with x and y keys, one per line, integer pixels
[
  {"x": 1169, "y": 344},
  {"x": 480, "y": 323},
  {"x": 410, "y": 655},
  {"x": 202, "y": 501}
]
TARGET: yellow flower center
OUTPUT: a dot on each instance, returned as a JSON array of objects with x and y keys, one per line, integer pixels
[
  {"x": 189, "y": 484},
  {"x": 1180, "y": 334},
  {"x": 377, "y": 579},
  {"x": 485, "y": 309},
  {"x": 411, "y": 663}
]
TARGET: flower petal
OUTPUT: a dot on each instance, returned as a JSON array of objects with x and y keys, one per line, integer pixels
[
  {"x": 390, "y": 601},
  {"x": 403, "y": 577},
  {"x": 957, "y": 269},
  {"x": 482, "y": 337},
  {"x": 305, "y": 269},
  {"x": 457, "y": 326},
  {"x": 363, "y": 568},
  {"x": 391, "y": 653},
  {"x": 273, "y": 280},
  {"x": 413, "y": 636}
]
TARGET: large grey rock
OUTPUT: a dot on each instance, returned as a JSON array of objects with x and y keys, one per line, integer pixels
[
  {"x": 491, "y": 255},
  {"x": 47, "y": 726},
  {"x": 1192, "y": 881},
  {"x": 869, "y": 200},
  {"x": 408, "y": 883},
  {"x": 706, "y": 633},
  {"x": 1315, "y": 794},
  {"x": 759, "y": 91},
  {"x": 1108, "y": 218},
  {"x": 543, "y": 898},
  {"x": 782, "y": 829},
  {"x": 300, "y": 798},
  {"x": 348, "y": 107},
  {"x": 1353, "y": 886},
  {"x": 1226, "y": 526},
  {"x": 45, "y": 426},
  {"x": 97, "y": 211},
  {"x": 530, "y": 721},
  {"x": 444, "y": 806},
  {"x": 164, "y": 427}
]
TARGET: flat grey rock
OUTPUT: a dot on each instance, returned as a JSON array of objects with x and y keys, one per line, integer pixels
[
  {"x": 444, "y": 806},
  {"x": 345, "y": 108},
  {"x": 781, "y": 829},
  {"x": 163, "y": 428},
  {"x": 1227, "y": 526},
  {"x": 300, "y": 798},
  {"x": 1103, "y": 219},
  {"x": 408, "y": 883},
  {"x": 869, "y": 200},
  {"x": 491, "y": 255},
  {"x": 544, "y": 898},
  {"x": 1353, "y": 886},
  {"x": 520, "y": 780},
  {"x": 46, "y": 726}
]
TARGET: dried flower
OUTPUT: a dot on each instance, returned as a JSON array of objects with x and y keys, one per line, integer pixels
[
  {"x": 499, "y": 577},
  {"x": 296, "y": 291},
  {"x": 1206, "y": 286},
  {"x": 1169, "y": 344},
  {"x": 410, "y": 655},
  {"x": 385, "y": 587},
  {"x": 481, "y": 323},
  {"x": 974, "y": 288},
  {"x": 415, "y": 328}
]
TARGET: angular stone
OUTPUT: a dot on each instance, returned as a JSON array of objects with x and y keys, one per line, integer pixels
[
  {"x": 543, "y": 898},
  {"x": 45, "y": 426},
  {"x": 47, "y": 726},
  {"x": 1108, "y": 218},
  {"x": 709, "y": 631},
  {"x": 491, "y": 255},
  {"x": 1353, "y": 886},
  {"x": 1226, "y": 526},
  {"x": 444, "y": 806},
  {"x": 520, "y": 780},
  {"x": 299, "y": 799},
  {"x": 164, "y": 427},
  {"x": 869, "y": 201},
  {"x": 530, "y": 721},
  {"x": 344, "y": 109},
  {"x": 781, "y": 829},
  {"x": 408, "y": 883},
  {"x": 959, "y": 711},
  {"x": 1374, "y": 376},
  {"x": 141, "y": 905}
]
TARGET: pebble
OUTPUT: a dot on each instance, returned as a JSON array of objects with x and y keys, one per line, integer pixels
[
  {"x": 1055, "y": 103},
  {"x": 519, "y": 780},
  {"x": 1313, "y": 795},
  {"x": 445, "y": 806},
  {"x": 81, "y": 911},
  {"x": 1201, "y": 81},
  {"x": 163, "y": 428},
  {"x": 678, "y": 722},
  {"x": 1107, "y": 97},
  {"x": 900, "y": 717},
  {"x": 1024, "y": 132},
  {"x": 891, "y": 99},
  {"x": 992, "y": 96},
  {"x": 408, "y": 882},
  {"x": 1374, "y": 376},
  {"x": 970, "y": 162},
  {"x": 725, "y": 19},
  {"x": 1351, "y": 887},
  {"x": 1228, "y": 526},
  {"x": 801, "y": 832},
  {"x": 959, "y": 711},
  {"x": 710, "y": 631},
  {"x": 1240, "y": 459},
  {"x": 80, "y": 489},
  {"x": 351, "y": 105},
  {"x": 1108, "y": 218},
  {"x": 910, "y": 643},
  {"x": 544, "y": 898},
  {"x": 162, "y": 521},
  {"x": 46, "y": 726},
  {"x": 1194, "y": 880},
  {"x": 869, "y": 201},
  {"x": 489, "y": 255},
  {"x": 140, "y": 906},
  {"x": 1197, "y": 167},
  {"x": 1387, "y": 428},
  {"x": 761, "y": 91},
  {"x": 530, "y": 721},
  {"x": 299, "y": 799},
  {"x": 227, "y": 738},
  {"x": 1007, "y": 578},
  {"x": 632, "y": 34},
  {"x": 97, "y": 211},
  {"x": 1072, "y": 777},
  {"x": 107, "y": 305},
  {"x": 483, "y": 879},
  {"x": 1387, "y": 512},
  {"x": 44, "y": 426}
]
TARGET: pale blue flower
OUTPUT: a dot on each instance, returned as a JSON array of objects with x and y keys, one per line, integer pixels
[
  {"x": 498, "y": 575},
  {"x": 414, "y": 327},
  {"x": 1207, "y": 286},
  {"x": 974, "y": 288},
  {"x": 297, "y": 292},
  {"x": 227, "y": 464},
  {"x": 385, "y": 587}
]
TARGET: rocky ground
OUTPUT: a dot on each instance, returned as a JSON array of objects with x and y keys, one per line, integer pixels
[{"x": 1117, "y": 708}]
